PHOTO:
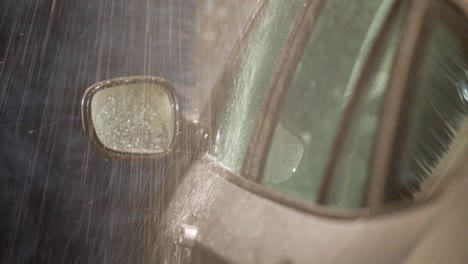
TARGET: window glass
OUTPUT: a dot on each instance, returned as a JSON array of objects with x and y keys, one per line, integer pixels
[
  {"x": 351, "y": 170},
  {"x": 320, "y": 89},
  {"x": 247, "y": 83},
  {"x": 439, "y": 78}
]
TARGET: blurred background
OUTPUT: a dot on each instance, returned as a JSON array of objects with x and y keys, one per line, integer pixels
[{"x": 60, "y": 200}]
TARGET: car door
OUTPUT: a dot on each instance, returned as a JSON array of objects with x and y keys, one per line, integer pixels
[{"x": 354, "y": 177}]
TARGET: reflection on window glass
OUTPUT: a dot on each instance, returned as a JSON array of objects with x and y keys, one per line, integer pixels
[
  {"x": 320, "y": 90},
  {"x": 440, "y": 79},
  {"x": 249, "y": 80}
]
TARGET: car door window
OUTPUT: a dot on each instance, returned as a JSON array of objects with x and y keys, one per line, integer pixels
[
  {"x": 439, "y": 78},
  {"x": 350, "y": 175},
  {"x": 319, "y": 92},
  {"x": 247, "y": 83}
]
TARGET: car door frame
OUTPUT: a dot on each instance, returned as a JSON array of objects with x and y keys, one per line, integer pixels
[
  {"x": 271, "y": 108},
  {"x": 389, "y": 124}
]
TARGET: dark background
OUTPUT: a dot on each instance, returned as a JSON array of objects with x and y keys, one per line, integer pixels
[{"x": 61, "y": 200}]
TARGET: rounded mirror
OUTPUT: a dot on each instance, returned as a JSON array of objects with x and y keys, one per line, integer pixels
[{"x": 135, "y": 117}]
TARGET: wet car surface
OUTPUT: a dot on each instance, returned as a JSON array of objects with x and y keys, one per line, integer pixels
[
  {"x": 316, "y": 149},
  {"x": 253, "y": 178}
]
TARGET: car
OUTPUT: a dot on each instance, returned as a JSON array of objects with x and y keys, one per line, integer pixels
[{"x": 335, "y": 134}]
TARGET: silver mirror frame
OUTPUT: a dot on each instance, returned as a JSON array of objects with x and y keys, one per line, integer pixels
[{"x": 87, "y": 122}]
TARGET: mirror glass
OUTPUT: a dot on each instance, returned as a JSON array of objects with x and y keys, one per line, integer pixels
[{"x": 134, "y": 118}]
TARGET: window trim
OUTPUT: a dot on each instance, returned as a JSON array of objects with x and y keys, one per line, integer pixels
[
  {"x": 209, "y": 118},
  {"x": 385, "y": 146},
  {"x": 381, "y": 177},
  {"x": 266, "y": 119},
  {"x": 352, "y": 106}
]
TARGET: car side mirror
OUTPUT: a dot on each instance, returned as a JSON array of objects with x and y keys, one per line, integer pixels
[{"x": 134, "y": 115}]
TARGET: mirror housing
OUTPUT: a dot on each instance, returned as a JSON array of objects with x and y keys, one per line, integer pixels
[{"x": 137, "y": 116}]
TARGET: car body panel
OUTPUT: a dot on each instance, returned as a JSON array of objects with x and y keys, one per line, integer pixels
[
  {"x": 242, "y": 227},
  {"x": 446, "y": 240}
]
